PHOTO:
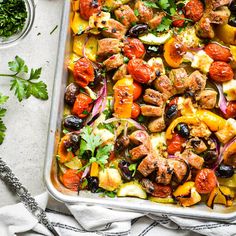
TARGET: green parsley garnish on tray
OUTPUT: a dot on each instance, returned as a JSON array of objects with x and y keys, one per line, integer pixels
[{"x": 13, "y": 15}]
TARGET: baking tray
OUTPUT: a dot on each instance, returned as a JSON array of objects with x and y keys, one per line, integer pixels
[{"x": 60, "y": 193}]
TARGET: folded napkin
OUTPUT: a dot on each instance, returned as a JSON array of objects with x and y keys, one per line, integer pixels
[{"x": 84, "y": 220}]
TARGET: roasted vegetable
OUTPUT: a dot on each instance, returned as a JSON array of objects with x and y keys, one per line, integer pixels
[
  {"x": 64, "y": 154},
  {"x": 226, "y": 33},
  {"x": 166, "y": 200},
  {"x": 152, "y": 39},
  {"x": 79, "y": 25},
  {"x": 123, "y": 93},
  {"x": 131, "y": 189}
]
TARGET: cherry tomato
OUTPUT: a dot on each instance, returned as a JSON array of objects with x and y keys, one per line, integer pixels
[
  {"x": 134, "y": 48},
  {"x": 217, "y": 52},
  {"x": 205, "y": 181},
  {"x": 175, "y": 144},
  {"x": 89, "y": 7},
  {"x": 83, "y": 72},
  {"x": 178, "y": 20},
  {"x": 140, "y": 71},
  {"x": 194, "y": 10},
  {"x": 137, "y": 90},
  {"x": 82, "y": 105},
  {"x": 220, "y": 71},
  {"x": 71, "y": 179},
  {"x": 230, "y": 110},
  {"x": 135, "y": 111}
]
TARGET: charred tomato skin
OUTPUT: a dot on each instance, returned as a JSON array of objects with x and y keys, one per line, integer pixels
[
  {"x": 89, "y": 7},
  {"x": 205, "y": 181}
]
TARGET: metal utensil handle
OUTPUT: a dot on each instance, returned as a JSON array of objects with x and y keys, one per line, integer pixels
[{"x": 31, "y": 205}]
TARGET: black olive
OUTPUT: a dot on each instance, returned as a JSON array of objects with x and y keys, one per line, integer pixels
[
  {"x": 158, "y": 73},
  {"x": 224, "y": 171},
  {"x": 121, "y": 143},
  {"x": 210, "y": 158},
  {"x": 183, "y": 130},
  {"x": 72, "y": 90},
  {"x": 154, "y": 50},
  {"x": 172, "y": 111},
  {"x": 232, "y": 21},
  {"x": 125, "y": 172},
  {"x": 92, "y": 184},
  {"x": 232, "y": 6},
  {"x": 73, "y": 122},
  {"x": 73, "y": 142},
  {"x": 137, "y": 30}
]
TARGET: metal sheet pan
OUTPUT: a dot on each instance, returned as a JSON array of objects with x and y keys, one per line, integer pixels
[{"x": 59, "y": 192}]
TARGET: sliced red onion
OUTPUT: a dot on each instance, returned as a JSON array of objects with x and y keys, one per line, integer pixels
[
  {"x": 218, "y": 151},
  {"x": 100, "y": 102},
  {"x": 86, "y": 171},
  {"x": 172, "y": 156},
  {"x": 222, "y": 100},
  {"x": 129, "y": 120},
  {"x": 84, "y": 47}
]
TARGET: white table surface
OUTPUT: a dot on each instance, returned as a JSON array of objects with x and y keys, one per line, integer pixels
[{"x": 27, "y": 122}]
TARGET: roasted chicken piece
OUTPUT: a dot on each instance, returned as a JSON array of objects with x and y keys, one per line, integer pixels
[
  {"x": 207, "y": 99},
  {"x": 157, "y": 125},
  {"x": 139, "y": 152},
  {"x": 153, "y": 97},
  {"x": 126, "y": 15},
  {"x": 178, "y": 77},
  {"x": 120, "y": 73},
  {"x": 109, "y": 46},
  {"x": 195, "y": 82},
  {"x": 148, "y": 164},
  {"x": 145, "y": 14},
  {"x": 114, "y": 61},
  {"x": 201, "y": 130},
  {"x": 197, "y": 145},
  {"x": 149, "y": 110},
  {"x": 114, "y": 29},
  {"x": 192, "y": 159},
  {"x": 164, "y": 172},
  {"x": 156, "y": 20}
]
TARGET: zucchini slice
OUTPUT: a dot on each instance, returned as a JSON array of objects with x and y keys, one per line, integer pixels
[
  {"x": 162, "y": 200},
  {"x": 152, "y": 39},
  {"x": 131, "y": 189}
]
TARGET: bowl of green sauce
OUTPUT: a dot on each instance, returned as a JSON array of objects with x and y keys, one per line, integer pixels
[{"x": 16, "y": 20}]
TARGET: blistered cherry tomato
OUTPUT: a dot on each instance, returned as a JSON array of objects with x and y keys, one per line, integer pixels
[
  {"x": 71, "y": 179},
  {"x": 220, "y": 71},
  {"x": 230, "y": 110},
  {"x": 134, "y": 48},
  {"x": 217, "y": 52},
  {"x": 135, "y": 111},
  {"x": 82, "y": 105},
  {"x": 178, "y": 20},
  {"x": 89, "y": 7},
  {"x": 194, "y": 10},
  {"x": 205, "y": 181},
  {"x": 137, "y": 90},
  {"x": 83, "y": 72},
  {"x": 140, "y": 70},
  {"x": 175, "y": 144}
]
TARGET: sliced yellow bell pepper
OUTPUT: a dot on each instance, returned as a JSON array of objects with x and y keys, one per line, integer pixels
[
  {"x": 90, "y": 44},
  {"x": 182, "y": 119},
  {"x": 72, "y": 61},
  {"x": 79, "y": 25},
  {"x": 94, "y": 169},
  {"x": 123, "y": 94},
  {"x": 213, "y": 121},
  {"x": 229, "y": 182},
  {"x": 75, "y": 5},
  {"x": 225, "y": 196},
  {"x": 226, "y": 33}
]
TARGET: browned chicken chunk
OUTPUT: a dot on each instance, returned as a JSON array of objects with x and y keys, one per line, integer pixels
[
  {"x": 153, "y": 97},
  {"x": 195, "y": 82},
  {"x": 156, "y": 20},
  {"x": 197, "y": 145},
  {"x": 149, "y": 110},
  {"x": 126, "y": 15},
  {"x": 200, "y": 130},
  {"x": 178, "y": 77},
  {"x": 109, "y": 46},
  {"x": 204, "y": 28},
  {"x": 114, "y": 61},
  {"x": 145, "y": 14},
  {"x": 165, "y": 86},
  {"x": 207, "y": 99},
  {"x": 193, "y": 159},
  {"x": 139, "y": 152},
  {"x": 157, "y": 125},
  {"x": 139, "y": 137},
  {"x": 214, "y": 4},
  {"x": 164, "y": 172},
  {"x": 221, "y": 16},
  {"x": 114, "y": 29},
  {"x": 148, "y": 165},
  {"x": 120, "y": 73}
]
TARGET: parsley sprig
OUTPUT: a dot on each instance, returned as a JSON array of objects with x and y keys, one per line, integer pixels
[
  {"x": 24, "y": 88},
  {"x": 92, "y": 143},
  {"x": 3, "y": 111}
]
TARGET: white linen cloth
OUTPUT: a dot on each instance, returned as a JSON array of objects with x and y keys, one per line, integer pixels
[{"x": 80, "y": 219}]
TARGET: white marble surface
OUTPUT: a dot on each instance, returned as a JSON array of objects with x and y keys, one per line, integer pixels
[{"x": 27, "y": 122}]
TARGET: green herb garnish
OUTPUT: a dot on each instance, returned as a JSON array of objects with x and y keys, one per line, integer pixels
[
  {"x": 24, "y": 88},
  {"x": 13, "y": 16},
  {"x": 3, "y": 111},
  {"x": 133, "y": 167},
  {"x": 92, "y": 143}
]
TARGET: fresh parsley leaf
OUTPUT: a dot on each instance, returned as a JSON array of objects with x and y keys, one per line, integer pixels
[
  {"x": 109, "y": 127},
  {"x": 151, "y": 4},
  {"x": 110, "y": 194},
  {"x": 103, "y": 154},
  {"x": 136, "y": 13},
  {"x": 165, "y": 24},
  {"x": 24, "y": 88},
  {"x": 164, "y": 4},
  {"x": 3, "y": 111}
]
